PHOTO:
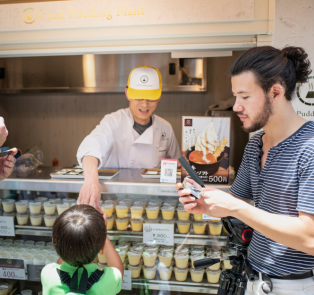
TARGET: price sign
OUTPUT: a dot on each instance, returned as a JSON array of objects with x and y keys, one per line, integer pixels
[
  {"x": 34, "y": 272},
  {"x": 12, "y": 269},
  {"x": 127, "y": 280},
  {"x": 161, "y": 234},
  {"x": 7, "y": 226}
]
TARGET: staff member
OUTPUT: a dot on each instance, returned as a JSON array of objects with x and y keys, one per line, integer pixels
[
  {"x": 277, "y": 170},
  {"x": 128, "y": 138}
]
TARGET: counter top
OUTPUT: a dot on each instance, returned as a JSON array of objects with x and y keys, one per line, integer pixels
[{"x": 128, "y": 181}]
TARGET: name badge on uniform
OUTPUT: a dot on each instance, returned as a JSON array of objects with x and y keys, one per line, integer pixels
[{"x": 168, "y": 172}]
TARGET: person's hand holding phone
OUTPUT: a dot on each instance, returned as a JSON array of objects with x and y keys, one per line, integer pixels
[
  {"x": 7, "y": 164},
  {"x": 3, "y": 132}
]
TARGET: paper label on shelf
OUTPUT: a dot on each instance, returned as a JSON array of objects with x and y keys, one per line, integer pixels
[
  {"x": 7, "y": 226},
  {"x": 168, "y": 171},
  {"x": 127, "y": 280},
  {"x": 12, "y": 269},
  {"x": 34, "y": 272},
  {"x": 161, "y": 234}
]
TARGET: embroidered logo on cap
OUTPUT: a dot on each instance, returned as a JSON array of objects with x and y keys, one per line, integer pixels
[{"x": 144, "y": 79}]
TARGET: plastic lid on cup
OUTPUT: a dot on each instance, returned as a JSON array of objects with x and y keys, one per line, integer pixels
[
  {"x": 152, "y": 208},
  {"x": 173, "y": 221},
  {"x": 149, "y": 254},
  {"x": 41, "y": 199},
  {"x": 216, "y": 224},
  {"x": 22, "y": 214},
  {"x": 184, "y": 270},
  {"x": 8, "y": 201},
  {"x": 165, "y": 254},
  {"x": 183, "y": 222},
  {"x": 63, "y": 205},
  {"x": 213, "y": 271},
  {"x": 181, "y": 255},
  {"x": 134, "y": 253},
  {"x": 198, "y": 271},
  {"x": 34, "y": 203},
  {"x": 168, "y": 208},
  {"x": 50, "y": 204}
]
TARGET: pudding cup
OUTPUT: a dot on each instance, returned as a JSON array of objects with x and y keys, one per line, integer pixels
[
  {"x": 110, "y": 222},
  {"x": 122, "y": 211},
  {"x": 151, "y": 249},
  {"x": 167, "y": 212},
  {"x": 213, "y": 276},
  {"x": 70, "y": 201},
  {"x": 215, "y": 228},
  {"x": 61, "y": 207},
  {"x": 21, "y": 206},
  {"x": 149, "y": 258},
  {"x": 4, "y": 288},
  {"x": 122, "y": 255},
  {"x": 137, "y": 224},
  {"x": 137, "y": 212},
  {"x": 121, "y": 247},
  {"x": 183, "y": 226},
  {"x": 36, "y": 219},
  {"x": 134, "y": 257},
  {"x": 181, "y": 274},
  {"x": 199, "y": 227},
  {"x": 50, "y": 207},
  {"x": 49, "y": 220},
  {"x": 29, "y": 242},
  {"x": 182, "y": 214},
  {"x": 198, "y": 217},
  {"x": 150, "y": 272},
  {"x": 22, "y": 218},
  {"x": 39, "y": 260},
  {"x": 108, "y": 208},
  {"x": 8, "y": 205},
  {"x": 215, "y": 266},
  {"x": 101, "y": 258},
  {"x": 28, "y": 259},
  {"x": 152, "y": 212},
  {"x": 135, "y": 271},
  {"x": 165, "y": 273},
  {"x": 182, "y": 260},
  {"x": 197, "y": 275},
  {"x": 224, "y": 230},
  {"x": 196, "y": 257},
  {"x": 42, "y": 200},
  {"x": 41, "y": 244},
  {"x": 165, "y": 259},
  {"x": 122, "y": 223},
  {"x": 34, "y": 207}
]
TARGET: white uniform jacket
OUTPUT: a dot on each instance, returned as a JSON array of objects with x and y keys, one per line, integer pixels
[{"x": 117, "y": 145}]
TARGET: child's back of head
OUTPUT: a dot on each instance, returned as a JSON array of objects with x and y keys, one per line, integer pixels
[{"x": 78, "y": 234}]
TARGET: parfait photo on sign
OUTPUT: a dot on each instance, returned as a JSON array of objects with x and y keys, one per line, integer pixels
[{"x": 206, "y": 146}]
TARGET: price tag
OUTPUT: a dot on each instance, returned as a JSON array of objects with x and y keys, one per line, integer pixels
[
  {"x": 168, "y": 171},
  {"x": 127, "y": 280},
  {"x": 12, "y": 269},
  {"x": 34, "y": 272},
  {"x": 161, "y": 234},
  {"x": 7, "y": 226}
]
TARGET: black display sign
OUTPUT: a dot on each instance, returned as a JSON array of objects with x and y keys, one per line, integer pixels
[
  {"x": 12, "y": 269},
  {"x": 34, "y": 272}
]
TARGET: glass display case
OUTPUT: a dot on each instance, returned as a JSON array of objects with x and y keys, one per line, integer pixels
[{"x": 132, "y": 203}]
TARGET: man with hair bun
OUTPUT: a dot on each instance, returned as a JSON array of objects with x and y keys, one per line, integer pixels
[{"x": 277, "y": 171}]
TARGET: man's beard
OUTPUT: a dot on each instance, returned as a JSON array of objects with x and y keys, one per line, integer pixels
[{"x": 261, "y": 118}]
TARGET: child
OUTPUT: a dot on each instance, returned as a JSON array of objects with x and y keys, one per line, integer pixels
[{"x": 78, "y": 235}]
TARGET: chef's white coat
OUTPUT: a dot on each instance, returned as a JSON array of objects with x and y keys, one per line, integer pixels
[{"x": 117, "y": 145}]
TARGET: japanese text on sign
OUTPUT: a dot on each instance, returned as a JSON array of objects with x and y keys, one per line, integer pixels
[{"x": 161, "y": 234}]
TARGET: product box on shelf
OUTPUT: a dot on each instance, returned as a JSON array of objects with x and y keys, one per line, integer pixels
[{"x": 206, "y": 146}]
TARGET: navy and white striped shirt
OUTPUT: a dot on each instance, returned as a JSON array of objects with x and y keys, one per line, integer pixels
[{"x": 284, "y": 186}]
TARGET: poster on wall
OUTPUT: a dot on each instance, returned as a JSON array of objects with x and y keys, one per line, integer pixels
[
  {"x": 303, "y": 103},
  {"x": 206, "y": 146}
]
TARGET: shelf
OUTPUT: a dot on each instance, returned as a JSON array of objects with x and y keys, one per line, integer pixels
[
  {"x": 173, "y": 285},
  {"x": 115, "y": 235},
  {"x": 128, "y": 181}
]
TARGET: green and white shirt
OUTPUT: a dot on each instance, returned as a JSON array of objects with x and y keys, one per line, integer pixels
[{"x": 110, "y": 281}]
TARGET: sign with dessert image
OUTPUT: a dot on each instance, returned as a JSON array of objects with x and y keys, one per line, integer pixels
[{"x": 206, "y": 146}]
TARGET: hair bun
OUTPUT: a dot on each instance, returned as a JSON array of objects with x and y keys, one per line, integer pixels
[{"x": 300, "y": 60}]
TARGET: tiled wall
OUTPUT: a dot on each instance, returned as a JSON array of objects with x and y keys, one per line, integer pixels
[{"x": 57, "y": 123}]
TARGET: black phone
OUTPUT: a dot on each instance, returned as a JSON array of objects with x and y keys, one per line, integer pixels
[{"x": 6, "y": 153}]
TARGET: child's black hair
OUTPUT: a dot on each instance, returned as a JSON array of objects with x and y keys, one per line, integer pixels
[{"x": 78, "y": 234}]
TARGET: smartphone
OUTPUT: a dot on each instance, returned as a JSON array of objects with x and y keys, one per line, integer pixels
[{"x": 6, "y": 153}]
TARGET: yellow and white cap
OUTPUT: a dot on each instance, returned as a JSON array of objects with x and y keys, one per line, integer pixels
[{"x": 144, "y": 83}]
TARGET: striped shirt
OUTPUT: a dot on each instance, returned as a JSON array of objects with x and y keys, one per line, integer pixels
[{"x": 284, "y": 186}]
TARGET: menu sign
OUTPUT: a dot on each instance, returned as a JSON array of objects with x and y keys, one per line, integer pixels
[
  {"x": 7, "y": 226},
  {"x": 206, "y": 146},
  {"x": 12, "y": 269},
  {"x": 127, "y": 280},
  {"x": 34, "y": 272},
  {"x": 161, "y": 234}
]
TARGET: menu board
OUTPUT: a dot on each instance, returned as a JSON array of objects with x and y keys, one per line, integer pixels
[{"x": 206, "y": 146}]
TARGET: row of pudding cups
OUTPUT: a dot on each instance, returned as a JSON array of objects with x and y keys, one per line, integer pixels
[
  {"x": 199, "y": 228},
  {"x": 137, "y": 256}
]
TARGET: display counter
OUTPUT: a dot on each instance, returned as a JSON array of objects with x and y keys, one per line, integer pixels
[{"x": 127, "y": 185}]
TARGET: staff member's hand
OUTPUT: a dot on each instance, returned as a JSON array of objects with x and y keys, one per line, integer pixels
[
  {"x": 7, "y": 164},
  {"x": 90, "y": 193},
  {"x": 213, "y": 202},
  {"x": 3, "y": 132}
]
